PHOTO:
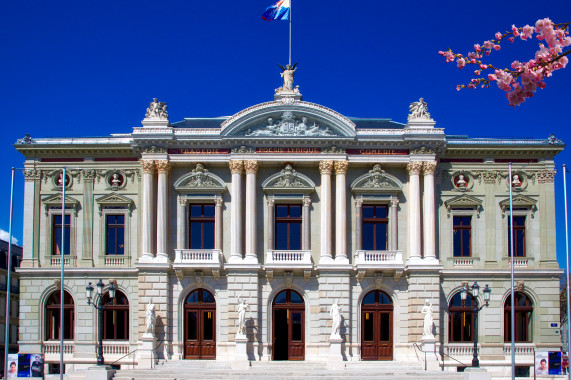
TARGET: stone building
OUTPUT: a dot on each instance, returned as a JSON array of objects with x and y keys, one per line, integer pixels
[
  {"x": 14, "y": 287},
  {"x": 287, "y": 208}
]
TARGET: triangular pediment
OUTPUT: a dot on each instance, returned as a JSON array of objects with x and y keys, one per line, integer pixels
[
  {"x": 518, "y": 201},
  {"x": 463, "y": 200},
  {"x": 114, "y": 199},
  {"x": 279, "y": 119},
  {"x": 288, "y": 180},
  {"x": 200, "y": 180},
  {"x": 376, "y": 181},
  {"x": 56, "y": 200}
]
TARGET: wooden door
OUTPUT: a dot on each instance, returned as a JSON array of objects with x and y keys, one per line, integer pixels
[
  {"x": 200, "y": 326},
  {"x": 376, "y": 327},
  {"x": 288, "y": 327}
]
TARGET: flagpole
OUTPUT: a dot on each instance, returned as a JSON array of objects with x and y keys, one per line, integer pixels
[{"x": 290, "y": 33}]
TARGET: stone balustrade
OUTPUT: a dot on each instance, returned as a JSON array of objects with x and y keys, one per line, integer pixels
[
  {"x": 378, "y": 259},
  {"x": 288, "y": 259},
  {"x": 198, "y": 258}
]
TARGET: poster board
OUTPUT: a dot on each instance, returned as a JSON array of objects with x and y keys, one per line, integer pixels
[
  {"x": 549, "y": 363},
  {"x": 26, "y": 365}
]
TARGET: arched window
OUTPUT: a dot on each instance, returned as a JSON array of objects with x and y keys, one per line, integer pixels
[
  {"x": 523, "y": 321},
  {"x": 461, "y": 319},
  {"x": 116, "y": 317},
  {"x": 53, "y": 316},
  {"x": 377, "y": 326}
]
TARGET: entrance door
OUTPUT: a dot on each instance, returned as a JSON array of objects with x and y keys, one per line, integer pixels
[
  {"x": 288, "y": 326},
  {"x": 199, "y": 325},
  {"x": 377, "y": 326}
]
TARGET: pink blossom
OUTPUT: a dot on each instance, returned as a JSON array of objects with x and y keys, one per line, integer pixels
[
  {"x": 497, "y": 47},
  {"x": 492, "y": 77},
  {"x": 511, "y": 39},
  {"x": 527, "y": 31},
  {"x": 471, "y": 85},
  {"x": 477, "y": 72},
  {"x": 515, "y": 31},
  {"x": 461, "y": 62},
  {"x": 498, "y": 36},
  {"x": 478, "y": 48},
  {"x": 483, "y": 67}
]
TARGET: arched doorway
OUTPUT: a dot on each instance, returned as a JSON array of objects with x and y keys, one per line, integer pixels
[
  {"x": 377, "y": 326},
  {"x": 288, "y": 327},
  {"x": 200, "y": 325}
]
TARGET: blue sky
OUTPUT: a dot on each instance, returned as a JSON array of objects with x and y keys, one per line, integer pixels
[{"x": 78, "y": 68}]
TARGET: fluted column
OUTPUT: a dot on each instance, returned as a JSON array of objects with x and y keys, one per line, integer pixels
[
  {"x": 236, "y": 167},
  {"x": 147, "y": 209},
  {"x": 31, "y": 235},
  {"x": 414, "y": 232},
  {"x": 359, "y": 224},
  {"x": 429, "y": 213},
  {"x": 218, "y": 202},
  {"x": 271, "y": 217},
  {"x": 393, "y": 221},
  {"x": 181, "y": 224},
  {"x": 163, "y": 168},
  {"x": 251, "y": 167},
  {"x": 306, "y": 224},
  {"x": 341, "y": 212},
  {"x": 87, "y": 230},
  {"x": 325, "y": 168}
]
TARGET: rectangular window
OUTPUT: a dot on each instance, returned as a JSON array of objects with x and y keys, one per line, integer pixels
[
  {"x": 288, "y": 227},
  {"x": 518, "y": 236},
  {"x": 56, "y": 238},
  {"x": 375, "y": 227},
  {"x": 201, "y": 226},
  {"x": 115, "y": 225},
  {"x": 462, "y": 231}
]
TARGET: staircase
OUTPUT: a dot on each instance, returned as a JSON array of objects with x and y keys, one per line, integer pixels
[{"x": 278, "y": 370}]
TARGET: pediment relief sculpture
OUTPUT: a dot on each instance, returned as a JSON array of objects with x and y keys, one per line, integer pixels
[
  {"x": 376, "y": 180},
  {"x": 290, "y": 125},
  {"x": 200, "y": 179},
  {"x": 288, "y": 179}
]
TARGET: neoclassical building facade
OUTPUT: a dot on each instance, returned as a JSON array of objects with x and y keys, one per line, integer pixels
[{"x": 288, "y": 208}]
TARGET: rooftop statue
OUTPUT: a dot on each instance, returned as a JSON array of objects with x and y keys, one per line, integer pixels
[
  {"x": 419, "y": 110},
  {"x": 157, "y": 110},
  {"x": 287, "y": 73}
]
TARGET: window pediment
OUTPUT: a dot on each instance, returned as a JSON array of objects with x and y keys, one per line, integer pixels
[
  {"x": 376, "y": 181},
  {"x": 288, "y": 180},
  {"x": 114, "y": 200},
  {"x": 519, "y": 201},
  {"x": 56, "y": 200},
  {"x": 200, "y": 180},
  {"x": 463, "y": 201}
]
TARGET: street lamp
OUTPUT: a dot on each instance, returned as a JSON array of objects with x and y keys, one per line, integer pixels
[
  {"x": 475, "y": 309},
  {"x": 100, "y": 307}
]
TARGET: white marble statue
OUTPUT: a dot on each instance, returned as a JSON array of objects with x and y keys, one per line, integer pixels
[
  {"x": 242, "y": 307},
  {"x": 288, "y": 73},
  {"x": 461, "y": 181},
  {"x": 428, "y": 319},
  {"x": 157, "y": 110},
  {"x": 335, "y": 313},
  {"x": 151, "y": 318},
  {"x": 516, "y": 182},
  {"x": 418, "y": 110}
]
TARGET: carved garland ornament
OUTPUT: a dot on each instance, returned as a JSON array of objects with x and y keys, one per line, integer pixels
[
  {"x": 31, "y": 175},
  {"x": 546, "y": 176}
]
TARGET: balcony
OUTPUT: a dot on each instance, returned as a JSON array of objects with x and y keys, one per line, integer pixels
[
  {"x": 51, "y": 350},
  {"x": 198, "y": 258},
  {"x": 463, "y": 262},
  {"x": 116, "y": 261},
  {"x": 378, "y": 260},
  {"x": 521, "y": 350},
  {"x": 55, "y": 260},
  {"x": 288, "y": 260}
]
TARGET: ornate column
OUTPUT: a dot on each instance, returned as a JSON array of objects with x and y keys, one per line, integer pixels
[
  {"x": 305, "y": 220},
  {"x": 490, "y": 179},
  {"x": 147, "y": 210},
  {"x": 87, "y": 230},
  {"x": 31, "y": 232},
  {"x": 393, "y": 221},
  {"x": 325, "y": 168},
  {"x": 181, "y": 224},
  {"x": 358, "y": 224},
  {"x": 251, "y": 167},
  {"x": 414, "y": 234},
  {"x": 545, "y": 180},
  {"x": 236, "y": 167},
  {"x": 341, "y": 212},
  {"x": 271, "y": 217},
  {"x": 163, "y": 167},
  {"x": 429, "y": 212},
  {"x": 218, "y": 202}
]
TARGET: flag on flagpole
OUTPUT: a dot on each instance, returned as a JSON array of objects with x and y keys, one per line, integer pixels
[{"x": 278, "y": 11}]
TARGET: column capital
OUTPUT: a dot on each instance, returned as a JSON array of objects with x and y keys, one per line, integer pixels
[
  {"x": 306, "y": 202},
  {"x": 251, "y": 166},
  {"x": 394, "y": 202},
  {"x": 428, "y": 167},
  {"x": 270, "y": 202},
  {"x": 341, "y": 167},
  {"x": 325, "y": 167},
  {"x": 163, "y": 166},
  {"x": 182, "y": 201},
  {"x": 236, "y": 166},
  {"x": 148, "y": 166},
  {"x": 88, "y": 175},
  {"x": 358, "y": 202},
  {"x": 31, "y": 175},
  {"x": 218, "y": 202},
  {"x": 546, "y": 176},
  {"x": 414, "y": 167}
]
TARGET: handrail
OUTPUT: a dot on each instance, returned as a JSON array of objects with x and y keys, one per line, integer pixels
[
  {"x": 456, "y": 360},
  {"x": 420, "y": 349},
  {"x": 154, "y": 349}
]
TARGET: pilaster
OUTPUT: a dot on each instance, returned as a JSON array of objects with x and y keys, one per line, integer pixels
[
  {"x": 414, "y": 231},
  {"x": 147, "y": 211},
  {"x": 325, "y": 168},
  {"x": 236, "y": 168},
  {"x": 163, "y": 168},
  {"x": 251, "y": 167},
  {"x": 429, "y": 212},
  {"x": 87, "y": 230},
  {"x": 31, "y": 233},
  {"x": 341, "y": 212}
]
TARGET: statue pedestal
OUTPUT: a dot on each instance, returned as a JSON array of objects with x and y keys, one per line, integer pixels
[
  {"x": 428, "y": 344},
  {"x": 335, "y": 359},
  {"x": 99, "y": 372},
  {"x": 471, "y": 373},
  {"x": 146, "y": 357},
  {"x": 241, "y": 361}
]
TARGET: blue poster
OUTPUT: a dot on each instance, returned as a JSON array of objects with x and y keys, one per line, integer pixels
[
  {"x": 555, "y": 362},
  {"x": 23, "y": 365}
]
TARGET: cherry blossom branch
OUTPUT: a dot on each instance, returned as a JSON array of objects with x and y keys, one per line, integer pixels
[{"x": 521, "y": 81}]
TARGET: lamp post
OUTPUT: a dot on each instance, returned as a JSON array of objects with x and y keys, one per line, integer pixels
[
  {"x": 100, "y": 306},
  {"x": 475, "y": 309}
]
